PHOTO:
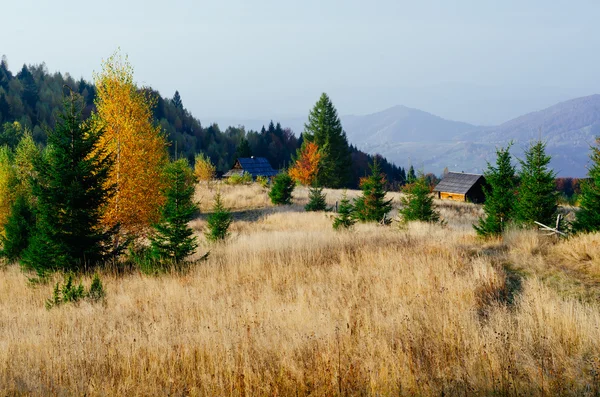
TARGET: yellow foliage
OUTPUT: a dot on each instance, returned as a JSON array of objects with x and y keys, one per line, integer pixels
[
  {"x": 7, "y": 178},
  {"x": 138, "y": 147},
  {"x": 204, "y": 169}
]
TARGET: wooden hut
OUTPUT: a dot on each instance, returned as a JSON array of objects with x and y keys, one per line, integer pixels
[
  {"x": 255, "y": 166},
  {"x": 459, "y": 186}
]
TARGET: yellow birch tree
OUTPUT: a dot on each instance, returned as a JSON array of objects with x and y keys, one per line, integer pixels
[{"x": 138, "y": 146}]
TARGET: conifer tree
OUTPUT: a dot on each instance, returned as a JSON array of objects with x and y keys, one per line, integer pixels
[
  {"x": 325, "y": 130},
  {"x": 316, "y": 200},
  {"x": 18, "y": 229},
  {"x": 411, "y": 177},
  {"x": 499, "y": 195},
  {"x": 70, "y": 192},
  {"x": 345, "y": 218},
  {"x": 7, "y": 184},
  {"x": 173, "y": 240},
  {"x": 177, "y": 101},
  {"x": 417, "y": 204},
  {"x": 537, "y": 198},
  {"x": 219, "y": 221},
  {"x": 243, "y": 149},
  {"x": 588, "y": 216},
  {"x": 282, "y": 189},
  {"x": 372, "y": 206}
]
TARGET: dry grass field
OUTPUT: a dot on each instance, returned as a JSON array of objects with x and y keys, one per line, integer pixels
[{"x": 287, "y": 306}]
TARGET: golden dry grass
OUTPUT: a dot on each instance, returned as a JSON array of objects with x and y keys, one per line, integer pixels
[{"x": 287, "y": 306}]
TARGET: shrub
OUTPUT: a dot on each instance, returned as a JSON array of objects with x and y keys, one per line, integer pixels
[
  {"x": 219, "y": 221},
  {"x": 282, "y": 189},
  {"x": 316, "y": 200},
  {"x": 204, "y": 169},
  {"x": 345, "y": 218},
  {"x": 263, "y": 181},
  {"x": 243, "y": 179},
  {"x": 69, "y": 292}
]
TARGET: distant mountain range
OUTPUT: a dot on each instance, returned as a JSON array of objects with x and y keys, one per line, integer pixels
[{"x": 427, "y": 141}]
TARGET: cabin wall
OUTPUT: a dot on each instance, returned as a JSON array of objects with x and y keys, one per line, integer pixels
[{"x": 452, "y": 196}]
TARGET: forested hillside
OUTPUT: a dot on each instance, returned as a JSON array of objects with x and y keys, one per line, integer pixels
[{"x": 33, "y": 96}]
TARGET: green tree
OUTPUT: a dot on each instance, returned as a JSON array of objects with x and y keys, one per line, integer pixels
[
  {"x": 219, "y": 221},
  {"x": 282, "y": 189},
  {"x": 372, "y": 206},
  {"x": 499, "y": 195},
  {"x": 588, "y": 216},
  {"x": 11, "y": 134},
  {"x": 243, "y": 149},
  {"x": 316, "y": 200},
  {"x": 173, "y": 239},
  {"x": 177, "y": 101},
  {"x": 70, "y": 194},
  {"x": 325, "y": 130},
  {"x": 537, "y": 198},
  {"x": 417, "y": 204},
  {"x": 411, "y": 177},
  {"x": 18, "y": 228},
  {"x": 345, "y": 218}
]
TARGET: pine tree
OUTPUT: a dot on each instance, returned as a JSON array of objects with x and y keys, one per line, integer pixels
[
  {"x": 173, "y": 239},
  {"x": 177, "y": 101},
  {"x": 282, "y": 189},
  {"x": 537, "y": 198},
  {"x": 243, "y": 149},
  {"x": 316, "y": 200},
  {"x": 417, "y": 204},
  {"x": 219, "y": 221},
  {"x": 372, "y": 205},
  {"x": 18, "y": 229},
  {"x": 325, "y": 130},
  {"x": 70, "y": 192},
  {"x": 411, "y": 177},
  {"x": 588, "y": 216},
  {"x": 345, "y": 218},
  {"x": 499, "y": 195}
]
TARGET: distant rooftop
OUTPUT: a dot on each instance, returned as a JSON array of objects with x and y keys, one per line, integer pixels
[{"x": 457, "y": 182}]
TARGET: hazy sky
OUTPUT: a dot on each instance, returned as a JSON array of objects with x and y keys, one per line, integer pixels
[{"x": 472, "y": 60}]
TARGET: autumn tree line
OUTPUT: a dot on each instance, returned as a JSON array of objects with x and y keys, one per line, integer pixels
[{"x": 32, "y": 98}]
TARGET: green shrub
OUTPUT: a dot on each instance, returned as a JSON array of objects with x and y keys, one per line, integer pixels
[
  {"x": 219, "y": 221},
  {"x": 69, "y": 292},
  {"x": 282, "y": 189},
  {"x": 316, "y": 200},
  {"x": 243, "y": 179},
  {"x": 263, "y": 181},
  {"x": 345, "y": 218}
]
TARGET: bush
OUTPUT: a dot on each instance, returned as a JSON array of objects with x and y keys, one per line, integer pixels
[
  {"x": 345, "y": 218},
  {"x": 219, "y": 221},
  {"x": 263, "y": 181},
  {"x": 69, "y": 292},
  {"x": 316, "y": 200},
  {"x": 282, "y": 189},
  {"x": 243, "y": 179}
]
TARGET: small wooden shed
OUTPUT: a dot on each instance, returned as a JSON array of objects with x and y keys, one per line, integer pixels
[
  {"x": 459, "y": 186},
  {"x": 255, "y": 166}
]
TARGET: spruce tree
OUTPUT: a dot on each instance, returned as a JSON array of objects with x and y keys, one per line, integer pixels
[
  {"x": 345, "y": 218},
  {"x": 219, "y": 221},
  {"x": 316, "y": 200},
  {"x": 499, "y": 195},
  {"x": 18, "y": 228},
  {"x": 243, "y": 149},
  {"x": 372, "y": 206},
  {"x": 177, "y": 101},
  {"x": 537, "y": 198},
  {"x": 282, "y": 189},
  {"x": 588, "y": 216},
  {"x": 411, "y": 177},
  {"x": 173, "y": 239},
  {"x": 70, "y": 193},
  {"x": 325, "y": 130},
  {"x": 417, "y": 204}
]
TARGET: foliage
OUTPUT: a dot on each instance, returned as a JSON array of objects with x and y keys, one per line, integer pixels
[
  {"x": 7, "y": 184},
  {"x": 537, "y": 199},
  {"x": 411, "y": 177},
  {"x": 11, "y": 134},
  {"x": 325, "y": 130},
  {"x": 138, "y": 145},
  {"x": 173, "y": 240},
  {"x": 282, "y": 189},
  {"x": 27, "y": 153},
  {"x": 306, "y": 167},
  {"x": 417, "y": 204},
  {"x": 70, "y": 192},
  {"x": 235, "y": 179},
  {"x": 372, "y": 206},
  {"x": 499, "y": 195},
  {"x": 345, "y": 218},
  {"x": 263, "y": 181},
  {"x": 316, "y": 200},
  {"x": 18, "y": 229},
  {"x": 243, "y": 149},
  {"x": 588, "y": 216},
  {"x": 219, "y": 221},
  {"x": 71, "y": 293},
  {"x": 204, "y": 169}
]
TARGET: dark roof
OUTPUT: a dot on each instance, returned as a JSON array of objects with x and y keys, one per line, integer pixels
[
  {"x": 255, "y": 166},
  {"x": 457, "y": 182}
]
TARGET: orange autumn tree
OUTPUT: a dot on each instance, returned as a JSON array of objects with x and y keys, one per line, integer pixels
[
  {"x": 307, "y": 165},
  {"x": 138, "y": 145}
]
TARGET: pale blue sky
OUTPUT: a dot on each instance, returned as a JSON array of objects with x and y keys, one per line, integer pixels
[{"x": 472, "y": 60}]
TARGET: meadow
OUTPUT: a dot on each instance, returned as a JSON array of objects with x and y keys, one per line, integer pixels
[{"x": 288, "y": 306}]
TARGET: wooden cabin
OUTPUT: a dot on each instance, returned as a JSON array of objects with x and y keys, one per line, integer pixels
[
  {"x": 255, "y": 166},
  {"x": 459, "y": 186}
]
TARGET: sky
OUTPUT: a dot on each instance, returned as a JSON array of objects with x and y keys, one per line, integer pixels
[{"x": 477, "y": 61}]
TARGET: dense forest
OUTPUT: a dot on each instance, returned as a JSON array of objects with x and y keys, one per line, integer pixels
[{"x": 33, "y": 97}]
